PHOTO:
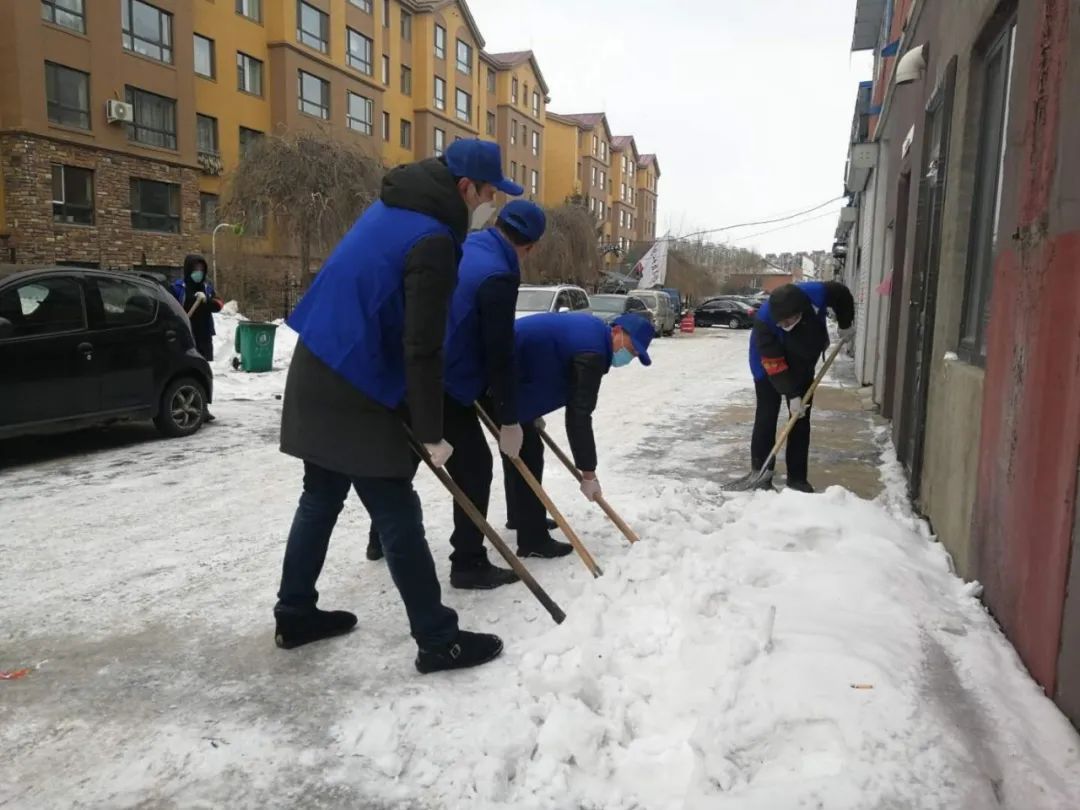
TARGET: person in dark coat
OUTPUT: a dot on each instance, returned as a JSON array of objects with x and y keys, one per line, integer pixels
[
  {"x": 561, "y": 360},
  {"x": 369, "y": 357},
  {"x": 196, "y": 295},
  {"x": 789, "y": 334}
]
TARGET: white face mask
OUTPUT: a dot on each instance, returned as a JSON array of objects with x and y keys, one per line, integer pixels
[
  {"x": 481, "y": 214},
  {"x": 792, "y": 325}
]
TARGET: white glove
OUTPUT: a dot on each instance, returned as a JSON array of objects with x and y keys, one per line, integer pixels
[
  {"x": 200, "y": 296},
  {"x": 510, "y": 439},
  {"x": 796, "y": 407},
  {"x": 847, "y": 335},
  {"x": 440, "y": 453},
  {"x": 539, "y": 423},
  {"x": 590, "y": 488}
]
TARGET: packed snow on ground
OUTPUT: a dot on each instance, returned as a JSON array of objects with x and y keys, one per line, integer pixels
[{"x": 762, "y": 650}]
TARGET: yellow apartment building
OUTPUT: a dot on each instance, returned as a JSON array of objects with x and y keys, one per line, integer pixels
[
  {"x": 648, "y": 179},
  {"x": 624, "y": 161}
]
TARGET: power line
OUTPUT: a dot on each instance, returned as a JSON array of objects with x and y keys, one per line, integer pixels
[
  {"x": 762, "y": 221},
  {"x": 783, "y": 227}
]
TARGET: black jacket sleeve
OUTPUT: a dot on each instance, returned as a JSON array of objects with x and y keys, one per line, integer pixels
[
  {"x": 586, "y": 373},
  {"x": 839, "y": 299},
  {"x": 495, "y": 303},
  {"x": 430, "y": 276},
  {"x": 774, "y": 359}
]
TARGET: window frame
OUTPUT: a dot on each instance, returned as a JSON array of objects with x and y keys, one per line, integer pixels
[
  {"x": 385, "y": 60},
  {"x": 365, "y": 6},
  {"x": 385, "y": 126},
  {"x": 213, "y": 56},
  {"x": 492, "y": 80},
  {"x": 245, "y": 142},
  {"x": 322, "y": 39},
  {"x": 492, "y": 124},
  {"x": 458, "y": 95},
  {"x": 535, "y": 143},
  {"x": 165, "y": 45},
  {"x": 440, "y": 50},
  {"x": 203, "y": 226},
  {"x": 243, "y": 8},
  {"x": 170, "y": 217},
  {"x": 439, "y": 103},
  {"x": 54, "y": 11},
  {"x": 405, "y": 134},
  {"x": 514, "y": 90},
  {"x": 406, "y": 80},
  {"x": 44, "y": 281},
  {"x": 216, "y": 151},
  {"x": 534, "y": 182},
  {"x": 365, "y": 127},
  {"x": 323, "y": 107},
  {"x": 356, "y": 61},
  {"x": 513, "y": 132},
  {"x": 536, "y": 105},
  {"x": 57, "y": 104},
  {"x": 243, "y": 60},
  {"x": 406, "y": 25},
  {"x": 100, "y": 322},
  {"x": 467, "y": 70},
  {"x": 65, "y": 204},
  {"x": 437, "y": 149},
  {"x": 136, "y": 96}
]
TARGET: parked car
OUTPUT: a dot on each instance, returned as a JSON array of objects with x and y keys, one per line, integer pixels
[
  {"x": 558, "y": 298},
  {"x": 727, "y": 312},
  {"x": 80, "y": 348},
  {"x": 609, "y": 307},
  {"x": 660, "y": 308}
]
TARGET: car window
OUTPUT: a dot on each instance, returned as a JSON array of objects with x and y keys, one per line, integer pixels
[
  {"x": 534, "y": 300},
  {"x": 650, "y": 303},
  {"x": 635, "y": 305},
  {"x": 124, "y": 303},
  {"x": 563, "y": 301},
  {"x": 44, "y": 306},
  {"x": 581, "y": 300}
]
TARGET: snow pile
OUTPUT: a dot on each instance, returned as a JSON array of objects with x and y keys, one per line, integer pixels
[{"x": 233, "y": 384}]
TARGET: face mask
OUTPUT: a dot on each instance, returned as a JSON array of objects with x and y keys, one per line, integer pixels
[
  {"x": 790, "y": 326},
  {"x": 481, "y": 214},
  {"x": 621, "y": 358},
  {"x": 198, "y": 276}
]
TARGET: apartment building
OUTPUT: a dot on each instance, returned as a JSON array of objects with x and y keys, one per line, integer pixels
[
  {"x": 623, "y": 168},
  {"x": 648, "y": 180},
  {"x": 517, "y": 98}
]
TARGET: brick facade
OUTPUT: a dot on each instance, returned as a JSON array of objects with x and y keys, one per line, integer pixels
[{"x": 29, "y": 229}]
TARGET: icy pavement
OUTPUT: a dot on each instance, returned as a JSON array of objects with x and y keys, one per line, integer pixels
[{"x": 757, "y": 651}]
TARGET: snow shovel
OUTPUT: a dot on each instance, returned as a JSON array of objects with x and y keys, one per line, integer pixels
[
  {"x": 754, "y": 479},
  {"x": 538, "y": 490},
  {"x": 470, "y": 509},
  {"x": 628, "y": 533},
  {"x": 200, "y": 298}
]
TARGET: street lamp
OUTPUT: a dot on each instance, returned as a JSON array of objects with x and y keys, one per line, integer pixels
[{"x": 213, "y": 249}]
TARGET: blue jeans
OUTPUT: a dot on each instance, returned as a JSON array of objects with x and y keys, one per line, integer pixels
[{"x": 395, "y": 512}]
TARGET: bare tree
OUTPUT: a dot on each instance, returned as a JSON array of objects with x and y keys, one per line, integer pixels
[
  {"x": 569, "y": 252},
  {"x": 311, "y": 185}
]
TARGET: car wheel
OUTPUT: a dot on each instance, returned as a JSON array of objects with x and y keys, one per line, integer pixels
[
  {"x": 733, "y": 323},
  {"x": 183, "y": 408}
]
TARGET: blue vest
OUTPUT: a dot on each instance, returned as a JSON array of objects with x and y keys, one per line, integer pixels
[
  {"x": 487, "y": 254},
  {"x": 815, "y": 291},
  {"x": 179, "y": 291},
  {"x": 544, "y": 346},
  {"x": 353, "y": 316}
]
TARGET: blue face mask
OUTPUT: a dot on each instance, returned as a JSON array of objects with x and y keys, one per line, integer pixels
[
  {"x": 198, "y": 276},
  {"x": 621, "y": 358}
]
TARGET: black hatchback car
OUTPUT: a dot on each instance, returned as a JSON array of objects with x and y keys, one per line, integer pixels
[
  {"x": 730, "y": 312},
  {"x": 80, "y": 348}
]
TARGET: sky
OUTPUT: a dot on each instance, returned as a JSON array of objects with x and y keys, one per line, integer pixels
[{"x": 747, "y": 103}]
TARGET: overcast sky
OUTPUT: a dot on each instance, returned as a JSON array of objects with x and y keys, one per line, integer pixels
[{"x": 747, "y": 103}]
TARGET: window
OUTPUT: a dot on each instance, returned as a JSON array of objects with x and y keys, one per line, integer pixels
[
  {"x": 595, "y": 175},
  {"x": 536, "y": 143},
  {"x": 536, "y": 104},
  {"x": 361, "y": 113},
  {"x": 386, "y": 127},
  {"x": 363, "y": 5},
  {"x": 514, "y": 90},
  {"x": 440, "y": 42},
  {"x": 385, "y": 13},
  {"x": 491, "y": 80},
  {"x": 313, "y": 27},
  {"x": 463, "y": 105},
  {"x": 513, "y": 170},
  {"x": 525, "y": 93},
  {"x": 147, "y": 30},
  {"x": 73, "y": 195},
  {"x": 534, "y": 182},
  {"x": 986, "y": 208},
  {"x": 603, "y": 179},
  {"x": 406, "y": 134},
  {"x": 206, "y": 133},
  {"x": 249, "y": 138},
  {"x": 124, "y": 303},
  {"x": 464, "y": 57},
  {"x": 440, "y": 94},
  {"x": 595, "y": 145},
  {"x": 68, "y": 13},
  {"x": 386, "y": 70},
  {"x": 252, "y": 9},
  {"x": 622, "y": 191},
  {"x": 249, "y": 74},
  {"x": 155, "y": 119},
  {"x": 313, "y": 95},
  {"x": 622, "y": 219},
  {"x": 406, "y": 80},
  {"x": 155, "y": 206},
  {"x": 208, "y": 211},
  {"x": 45, "y": 306},
  {"x": 600, "y": 208},
  {"x": 406, "y": 26},
  {"x": 491, "y": 123},
  {"x": 67, "y": 94},
  {"x": 513, "y": 132},
  {"x": 360, "y": 52},
  {"x": 440, "y": 142},
  {"x": 205, "y": 64}
]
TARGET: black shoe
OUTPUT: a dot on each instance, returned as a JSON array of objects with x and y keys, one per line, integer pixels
[
  {"x": 548, "y": 550},
  {"x": 467, "y": 650},
  {"x": 297, "y": 629},
  {"x": 551, "y": 525},
  {"x": 800, "y": 486},
  {"x": 374, "y": 547},
  {"x": 208, "y": 417},
  {"x": 482, "y": 576},
  {"x": 766, "y": 480}
]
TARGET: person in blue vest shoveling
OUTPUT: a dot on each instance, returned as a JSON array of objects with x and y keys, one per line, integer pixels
[
  {"x": 479, "y": 351},
  {"x": 561, "y": 360},
  {"x": 370, "y": 356},
  {"x": 789, "y": 334}
]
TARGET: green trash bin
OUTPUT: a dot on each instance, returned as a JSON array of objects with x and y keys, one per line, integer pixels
[{"x": 254, "y": 342}]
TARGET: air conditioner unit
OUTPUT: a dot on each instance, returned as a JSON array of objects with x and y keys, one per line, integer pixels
[{"x": 119, "y": 111}]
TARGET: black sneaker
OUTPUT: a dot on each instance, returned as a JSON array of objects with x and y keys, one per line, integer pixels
[
  {"x": 297, "y": 629},
  {"x": 467, "y": 650},
  {"x": 481, "y": 576},
  {"x": 548, "y": 550},
  {"x": 551, "y": 525},
  {"x": 208, "y": 417},
  {"x": 374, "y": 547},
  {"x": 800, "y": 486}
]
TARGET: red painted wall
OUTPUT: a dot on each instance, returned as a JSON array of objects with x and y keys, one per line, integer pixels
[{"x": 1030, "y": 441}]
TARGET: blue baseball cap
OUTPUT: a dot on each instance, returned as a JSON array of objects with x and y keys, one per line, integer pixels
[
  {"x": 641, "y": 334},
  {"x": 527, "y": 218},
  {"x": 480, "y": 161}
]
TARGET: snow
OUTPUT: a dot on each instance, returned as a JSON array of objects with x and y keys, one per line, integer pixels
[{"x": 754, "y": 650}]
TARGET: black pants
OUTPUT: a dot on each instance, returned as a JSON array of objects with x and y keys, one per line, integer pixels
[
  {"x": 798, "y": 443},
  {"x": 204, "y": 345},
  {"x": 470, "y": 467},
  {"x": 523, "y": 508}
]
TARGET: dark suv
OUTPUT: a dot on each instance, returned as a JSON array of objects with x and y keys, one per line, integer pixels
[{"x": 87, "y": 347}]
